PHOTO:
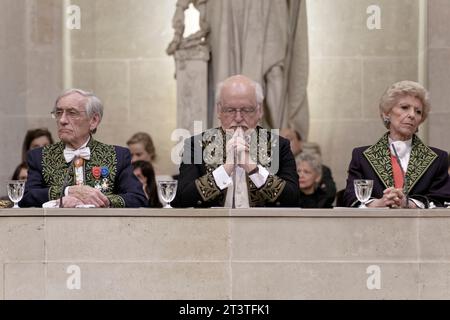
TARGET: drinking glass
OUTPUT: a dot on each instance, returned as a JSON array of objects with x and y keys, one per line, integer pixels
[
  {"x": 363, "y": 190},
  {"x": 15, "y": 191},
  {"x": 167, "y": 190}
]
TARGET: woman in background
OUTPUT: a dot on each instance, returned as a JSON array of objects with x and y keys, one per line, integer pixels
[
  {"x": 141, "y": 147},
  {"x": 309, "y": 169},
  {"x": 21, "y": 172},
  {"x": 144, "y": 171},
  {"x": 35, "y": 138}
]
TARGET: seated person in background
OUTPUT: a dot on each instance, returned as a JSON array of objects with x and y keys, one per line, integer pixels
[
  {"x": 35, "y": 138},
  {"x": 79, "y": 169},
  {"x": 405, "y": 172},
  {"x": 141, "y": 147},
  {"x": 261, "y": 165},
  {"x": 309, "y": 169},
  {"x": 326, "y": 183},
  {"x": 143, "y": 170},
  {"x": 21, "y": 172},
  {"x": 449, "y": 164}
]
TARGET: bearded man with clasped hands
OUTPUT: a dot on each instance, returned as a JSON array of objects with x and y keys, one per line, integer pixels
[{"x": 80, "y": 171}]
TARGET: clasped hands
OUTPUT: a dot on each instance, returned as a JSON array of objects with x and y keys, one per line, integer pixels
[
  {"x": 393, "y": 198},
  {"x": 238, "y": 150},
  {"x": 83, "y": 195}
]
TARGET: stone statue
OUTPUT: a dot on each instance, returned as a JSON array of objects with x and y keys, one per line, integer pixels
[
  {"x": 198, "y": 38},
  {"x": 191, "y": 56},
  {"x": 265, "y": 40}
]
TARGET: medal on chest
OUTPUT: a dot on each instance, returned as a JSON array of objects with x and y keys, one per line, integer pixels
[
  {"x": 105, "y": 179},
  {"x": 101, "y": 176},
  {"x": 97, "y": 173},
  {"x": 79, "y": 171}
]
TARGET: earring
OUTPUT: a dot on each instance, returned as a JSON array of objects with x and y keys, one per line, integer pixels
[{"x": 386, "y": 122}]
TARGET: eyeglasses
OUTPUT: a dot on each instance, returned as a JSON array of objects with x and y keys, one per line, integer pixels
[
  {"x": 233, "y": 111},
  {"x": 70, "y": 113}
]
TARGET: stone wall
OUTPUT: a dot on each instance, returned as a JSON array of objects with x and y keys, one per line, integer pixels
[
  {"x": 351, "y": 66},
  {"x": 438, "y": 55},
  {"x": 119, "y": 53},
  {"x": 224, "y": 254},
  {"x": 31, "y": 73}
]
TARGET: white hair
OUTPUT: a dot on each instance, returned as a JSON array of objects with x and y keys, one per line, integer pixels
[
  {"x": 313, "y": 159},
  {"x": 258, "y": 91},
  {"x": 401, "y": 89},
  {"x": 93, "y": 105}
]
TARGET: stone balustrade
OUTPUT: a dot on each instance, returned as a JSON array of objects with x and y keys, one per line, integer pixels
[{"x": 340, "y": 253}]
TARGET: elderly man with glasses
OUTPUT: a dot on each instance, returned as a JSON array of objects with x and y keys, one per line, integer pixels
[
  {"x": 79, "y": 171},
  {"x": 239, "y": 164}
]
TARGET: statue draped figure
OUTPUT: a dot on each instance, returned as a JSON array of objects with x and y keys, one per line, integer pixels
[
  {"x": 196, "y": 39},
  {"x": 265, "y": 40}
]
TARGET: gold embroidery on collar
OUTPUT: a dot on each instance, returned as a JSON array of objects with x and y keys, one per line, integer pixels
[
  {"x": 213, "y": 145},
  {"x": 54, "y": 168},
  {"x": 379, "y": 158}
]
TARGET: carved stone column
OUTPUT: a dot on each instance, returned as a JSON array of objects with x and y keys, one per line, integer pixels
[{"x": 192, "y": 86}]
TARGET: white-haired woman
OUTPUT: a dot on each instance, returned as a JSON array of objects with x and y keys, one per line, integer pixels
[
  {"x": 406, "y": 172},
  {"x": 309, "y": 169}
]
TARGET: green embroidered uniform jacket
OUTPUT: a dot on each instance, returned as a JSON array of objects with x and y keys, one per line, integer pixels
[
  {"x": 48, "y": 170},
  {"x": 206, "y": 152},
  {"x": 426, "y": 178}
]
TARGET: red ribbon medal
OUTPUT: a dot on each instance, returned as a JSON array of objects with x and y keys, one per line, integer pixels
[{"x": 96, "y": 172}]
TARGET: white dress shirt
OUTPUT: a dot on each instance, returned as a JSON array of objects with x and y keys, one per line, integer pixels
[
  {"x": 223, "y": 180},
  {"x": 403, "y": 149},
  {"x": 66, "y": 190}
]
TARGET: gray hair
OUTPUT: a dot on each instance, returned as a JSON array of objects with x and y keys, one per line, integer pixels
[
  {"x": 400, "y": 89},
  {"x": 93, "y": 105},
  {"x": 313, "y": 159},
  {"x": 312, "y": 147},
  {"x": 258, "y": 91}
]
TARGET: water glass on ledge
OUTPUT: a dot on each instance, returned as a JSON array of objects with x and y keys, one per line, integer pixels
[
  {"x": 167, "y": 190},
  {"x": 15, "y": 191},
  {"x": 363, "y": 190}
]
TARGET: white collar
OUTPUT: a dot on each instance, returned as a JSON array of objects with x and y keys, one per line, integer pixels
[
  {"x": 403, "y": 149},
  {"x": 407, "y": 142}
]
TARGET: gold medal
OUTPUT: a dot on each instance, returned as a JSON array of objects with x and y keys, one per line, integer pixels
[{"x": 79, "y": 171}]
